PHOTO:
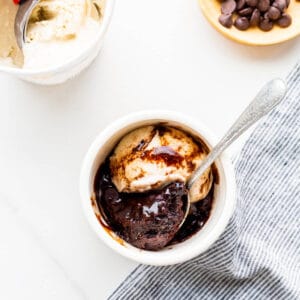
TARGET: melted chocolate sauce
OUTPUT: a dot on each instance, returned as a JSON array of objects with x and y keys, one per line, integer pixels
[{"x": 149, "y": 220}]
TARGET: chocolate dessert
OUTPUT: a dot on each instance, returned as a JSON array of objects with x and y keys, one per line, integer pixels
[
  {"x": 145, "y": 220},
  {"x": 146, "y": 210}
]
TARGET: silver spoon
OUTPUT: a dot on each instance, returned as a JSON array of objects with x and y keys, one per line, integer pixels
[
  {"x": 22, "y": 19},
  {"x": 268, "y": 97}
]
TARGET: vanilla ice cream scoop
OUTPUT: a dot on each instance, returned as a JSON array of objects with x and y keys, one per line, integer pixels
[
  {"x": 153, "y": 156},
  {"x": 56, "y": 20},
  {"x": 56, "y": 31}
]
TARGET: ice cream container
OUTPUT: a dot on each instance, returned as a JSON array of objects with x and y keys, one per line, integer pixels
[{"x": 71, "y": 68}]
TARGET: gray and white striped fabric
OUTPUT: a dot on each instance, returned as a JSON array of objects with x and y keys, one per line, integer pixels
[{"x": 258, "y": 256}]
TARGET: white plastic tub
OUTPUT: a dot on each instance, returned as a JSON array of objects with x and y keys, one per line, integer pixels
[{"x": 72, "y": 67}]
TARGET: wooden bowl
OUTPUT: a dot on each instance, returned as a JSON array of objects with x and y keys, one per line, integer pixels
[{"x": 254, "y": 36}]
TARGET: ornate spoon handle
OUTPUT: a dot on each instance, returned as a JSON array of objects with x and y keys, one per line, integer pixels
[{"x": 268, "y": 97}]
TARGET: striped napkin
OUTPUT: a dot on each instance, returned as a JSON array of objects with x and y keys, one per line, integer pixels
[{"x": 258, "y": 256}]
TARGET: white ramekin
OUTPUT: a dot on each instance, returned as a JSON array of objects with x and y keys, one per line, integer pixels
[
  {"x": 72, "y": 67},
  {"x": 224, "y": 198}
]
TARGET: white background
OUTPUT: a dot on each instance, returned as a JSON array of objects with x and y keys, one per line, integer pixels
[{"x": 157, "y": 54}]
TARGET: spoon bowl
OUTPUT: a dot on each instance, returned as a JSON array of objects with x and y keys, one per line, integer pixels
[
  {"x": 22, "y": 18},
  {"x": 253, "y": 36}
]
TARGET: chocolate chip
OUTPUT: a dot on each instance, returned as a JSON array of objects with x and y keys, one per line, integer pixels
[
  {"x": 263, "y": 5},
  {"x": 254, "y": 20},
  {"x": 274, "y": 13},
  {"x": 261, "y": 13},
  {"x": 280, "y": 4},
  {"x": 228, "y": 7},
  {"x": 284, "y": 21},
  {"x": 242, "y": 23},
  {"x": 245, "y": 11},
  {"x": 265, "y": 24},
  {"x": 226, "y": 20},
  {"x": 240, "y": 4},
  {"x": 252, "y": 3}
]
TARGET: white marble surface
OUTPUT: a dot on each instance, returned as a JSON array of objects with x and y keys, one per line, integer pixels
[{"x": 158, "y": 54}]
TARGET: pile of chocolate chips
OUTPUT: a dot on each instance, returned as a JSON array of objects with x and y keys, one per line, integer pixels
[{"x": 261, "y": 13}]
